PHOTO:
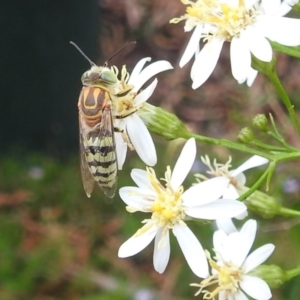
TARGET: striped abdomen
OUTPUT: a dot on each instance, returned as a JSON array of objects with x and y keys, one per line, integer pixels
[
  {"x": 97, "y": 135},
  {"x": 102, "y": 160}
]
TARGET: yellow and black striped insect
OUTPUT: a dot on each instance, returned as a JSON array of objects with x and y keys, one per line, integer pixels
[{"x": 98, "y": 158}]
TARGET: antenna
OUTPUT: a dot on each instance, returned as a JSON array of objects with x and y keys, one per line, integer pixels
[
  {"x": 123, "y": 48},
  {"x": 84, "y": 55}
]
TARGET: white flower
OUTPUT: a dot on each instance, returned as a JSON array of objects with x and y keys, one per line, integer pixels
[
  {"x": 236, "y": 185},
  {"x": 232, "y": 266},
  {"x": 169, "y": 206},
  {"x": 237, "y": 179},
  {"x": 127, "y": 102},
  {"x": 247, "y": 24}
]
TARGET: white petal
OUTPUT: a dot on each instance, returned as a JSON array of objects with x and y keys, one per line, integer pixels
[
  {"x": 137, "y": 70},
  {"x": 228, "y": 247},
  {"x": 140, "y": 178},
  {"x": 217, "y": 210},
  {"x": 226, "y": 225},
  {"x": 137, "y": 243},
  {"x": 184, "y": 163},
  {"x": 205, "y": 62},
  {"x": 270, "y": 7},
  {"x": 293, "y": 36},
  {"x": 258, "y": 44},
  {"x": 148, "y": 72},
  {"x": 121, "y": 150},
  {"x": 237, "y": 248},
  {"x": 249, "y": 3},
  {"x": 242, "y": 216},
  {"x": 257, "y": 257},
  {"x": 219, "y": 241},
  {"x": 137, "y": 198},
  {"x": 252, "y": 162},
  {"x": 145, "y": 94},
  {"x": 230, "y": 193},
  {"x": 239, "y": 295},
  {"x": 276, "y": 28},
  {"x": 205, "y": 192},
  {"x": 141, "y": 140},
  {"x": 240, "y": 58},
  {"x": 191, "y": 46},
  {"x": 284, "y": 9},
  {"x": 251, "y": 76},
  {"x": 256, "y": 287},
  {"x": 249, "y": 231},
  {"x": 245, "y": 241},
  {"x": 162, "y": 251},
  {"x": 192, "y": 250}
]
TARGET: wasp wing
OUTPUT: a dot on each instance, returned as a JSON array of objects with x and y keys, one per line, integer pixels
[
  {"x": 107, "y": 170},
  {"x": 87, "y": 178}
]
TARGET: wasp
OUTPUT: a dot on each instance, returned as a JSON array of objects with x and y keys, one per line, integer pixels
[{"x": 98, "y": 158}]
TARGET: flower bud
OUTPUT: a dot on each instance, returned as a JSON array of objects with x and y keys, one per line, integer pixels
[
  {"x": 260, "y": 122},
  {"x": 263, "y": 204},
  {"x": 161, "y": 122},
  {"x": 273, "y": 275},
  {"x": 245, "y": 135}
]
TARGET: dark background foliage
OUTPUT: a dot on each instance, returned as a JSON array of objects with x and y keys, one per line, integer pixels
[{"x": 41, "y": 71}]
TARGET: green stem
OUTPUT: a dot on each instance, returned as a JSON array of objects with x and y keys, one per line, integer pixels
[
  {"x": 255, "y": 186},
  {"x": 240, "y": 147},
  {"x": 281, "y": 141},
  {"x": 225, "y": 143},
  {"x": 288, "y": 212},
  {"x": 267, "y": 147},
  {"x": 285, "y": 98},
  {"x": 286, "y": 157},
  {"x": 293, "y": 273}
]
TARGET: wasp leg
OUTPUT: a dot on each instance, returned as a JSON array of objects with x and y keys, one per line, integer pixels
[
  {"x": 125, "y": 91},
  {"x": 128, "y": 113},
  {"x": 125, "y": 137}
]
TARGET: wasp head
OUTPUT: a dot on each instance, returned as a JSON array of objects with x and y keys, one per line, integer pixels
[{"x": 99, "y": 76}]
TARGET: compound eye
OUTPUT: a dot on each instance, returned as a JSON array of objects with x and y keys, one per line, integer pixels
[
  {"x": 85, "y": 76},
  {"x": 108, "y": 77}
]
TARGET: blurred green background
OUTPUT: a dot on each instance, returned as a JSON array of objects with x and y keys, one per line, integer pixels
[{"x": 55, "y": 243}]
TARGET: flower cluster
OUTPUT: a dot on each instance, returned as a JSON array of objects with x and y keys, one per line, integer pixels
[
  {"x": 170, "y": 206},
  {"x": 128, "y": 98},
  {"x": 232, "y": 266},
  {"x": 250, "y": 26},
  {"x": 246, "y": 24},
  {"x": 236, "y": 185}
]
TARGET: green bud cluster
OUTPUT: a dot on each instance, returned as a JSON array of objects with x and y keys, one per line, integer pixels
[
  {"x": 245, "y": 136},
  {"x": 260, "y": 122},
  {"x": 273, "y": 275},
  {"x": 161, "y": 122},
  {"x": 263, "y": 204}
]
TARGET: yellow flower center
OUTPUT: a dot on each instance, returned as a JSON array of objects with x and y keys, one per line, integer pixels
[
  {"x": 123, "y": 99},
  {"x": 226, "y": 21},
  {"x": 167, "y": 208},
  {"x": 227, "y": 279}
]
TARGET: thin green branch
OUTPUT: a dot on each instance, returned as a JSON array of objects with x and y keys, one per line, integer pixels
[
  {"x": 225, "y": 143},
  {"x": 268, "y": 147},
  {"x": 255, "y": 186},
  {"x": 285, "y": 99},
  {"x": 293, "y": 273},
  {"x": 288, "y": 212}
]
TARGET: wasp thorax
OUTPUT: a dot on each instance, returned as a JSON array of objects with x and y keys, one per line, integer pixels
[{"x": 99, "y": 75}]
